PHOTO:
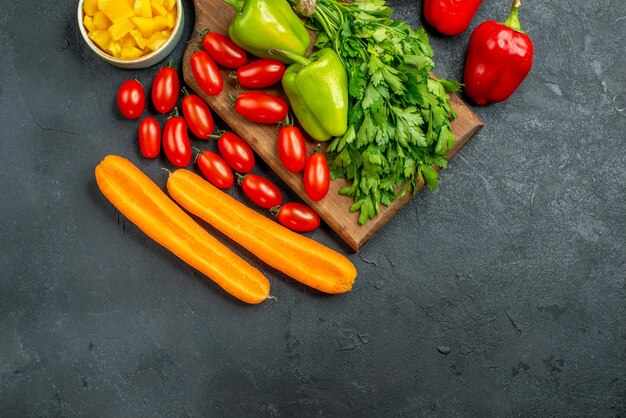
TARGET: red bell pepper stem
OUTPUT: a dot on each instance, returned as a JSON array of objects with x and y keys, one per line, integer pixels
[{"x": 513, "y": 20}]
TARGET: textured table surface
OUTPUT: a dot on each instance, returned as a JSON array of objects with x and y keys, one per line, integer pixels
[{"x": 501, "y": 294}]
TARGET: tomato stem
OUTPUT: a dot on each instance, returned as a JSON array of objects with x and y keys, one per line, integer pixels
[
  {"x": 233, "y": 75},
  {"x": 201, "y": 34},
  {"x": 185, "y": 91},
  {"x": 174, "y": 114},
  {"x": 233, "y": 99},
  {"x": 217, "y": 135},
  {"x": 199, "y": 153},
  {"x": 240, "y": 178},
  {"x": 275, "y": 210}
]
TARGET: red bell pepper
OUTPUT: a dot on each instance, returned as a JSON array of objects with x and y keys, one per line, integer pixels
[
  {"x": 499, "y": 57},
  {"x": 450, "y": 17}
]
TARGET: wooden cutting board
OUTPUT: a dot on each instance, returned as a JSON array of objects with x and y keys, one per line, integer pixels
[{"x": 333, "y": 209}]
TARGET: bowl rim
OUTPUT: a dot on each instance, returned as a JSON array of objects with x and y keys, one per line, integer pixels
[{"x": 102, "y": 54}]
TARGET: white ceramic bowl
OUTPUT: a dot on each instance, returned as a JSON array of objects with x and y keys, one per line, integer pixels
[{"x": 141, "y": 62}]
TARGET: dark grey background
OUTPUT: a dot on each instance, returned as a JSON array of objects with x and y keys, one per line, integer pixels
[{"x": 516, "y": 265}]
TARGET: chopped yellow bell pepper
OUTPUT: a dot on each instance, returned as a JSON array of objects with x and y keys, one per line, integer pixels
[
  {"x": 90, "y": 7},
  {"x": 158, "y": 9},
  {"x": 140, "y": 41},
  {"x": 116, "y": 10},
  {"x": 128, "y": 41},
  {"x": 115, "y": 49},
  {"x": 101, "y": 38},
  {"x": 156, "y": 41},
  {"x": 118, "y": 30},
  {"x": 88, "y": 22},
  {"x": 171, "y": 19},
  {"x": 142, "y": 8},
  {"x": 137, "y": 7},
  {"x": 101, "y": 21},
  {"x": 160, "y": 23},
  {"x": 131, "y": 53},
  {"x": 129, "y": 29},
  {"x": 144, "y": 24},
  {"x": 169, "y": 4}
]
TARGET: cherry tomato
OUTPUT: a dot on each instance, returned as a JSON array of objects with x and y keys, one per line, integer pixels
[
  {"x": 176, "y": 141},
  {"x": 260, "y": 73},
  {"x": 215, "y": 169},
  {"x": 165, "y": 89},
  {"x": 236, "y": 152},
  {"x": 131, "y": 99},
  {"x": 150, "y": 137},
  {"x": 298, "y": 217},
  {"x": 198, "y": 116},
  {"x": 261, "y": 107},
  {"x": 224, "y": 51},
  {"x": 261, "y": 191},
  {"x": 206, "y": 73},
  {"x": 316, "y": 177},
  {"x": 291, "y": 148}
]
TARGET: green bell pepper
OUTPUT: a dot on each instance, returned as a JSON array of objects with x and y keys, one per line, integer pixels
[
  {"x": 264, "y": 24},
  {"x": 317, "y": 88}
]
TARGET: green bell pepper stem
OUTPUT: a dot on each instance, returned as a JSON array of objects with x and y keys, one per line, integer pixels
[
  {"x": 236, "y": 4},
  {"x": 294, "y": 57}
]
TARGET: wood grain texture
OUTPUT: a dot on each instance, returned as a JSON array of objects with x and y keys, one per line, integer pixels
[{"x": 333, "y": 209}]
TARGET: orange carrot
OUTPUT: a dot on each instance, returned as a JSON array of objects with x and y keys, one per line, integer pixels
[
  {"x": 297, "y": 256},
  {"x": 145, "y": 205}
]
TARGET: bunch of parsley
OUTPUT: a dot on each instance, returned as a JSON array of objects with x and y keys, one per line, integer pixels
[{"x": 399, "y": 118}]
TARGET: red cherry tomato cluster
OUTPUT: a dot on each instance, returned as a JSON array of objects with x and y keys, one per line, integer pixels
[
  {"x": 218, "y": 49},
  {"x": 233, "y": 155},
  {"x": 174, "y": 138},
  {"x": 258, "y": 107},
  {"x": 293, "y": 154}
]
